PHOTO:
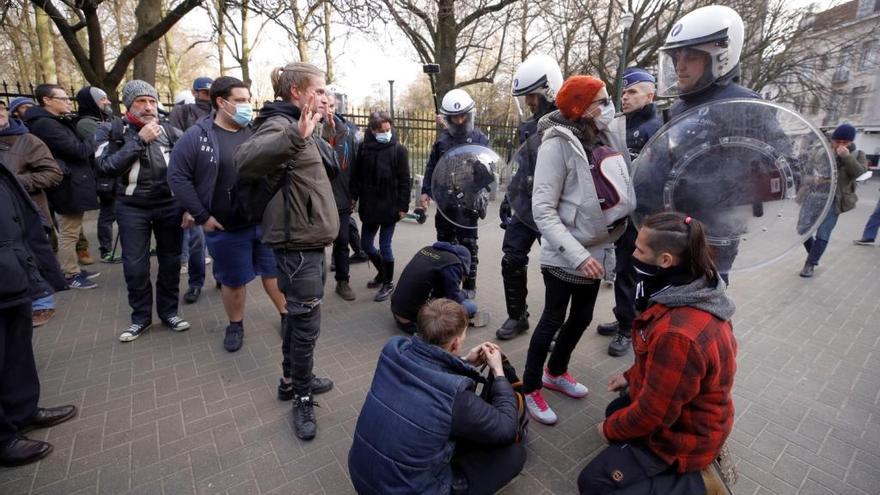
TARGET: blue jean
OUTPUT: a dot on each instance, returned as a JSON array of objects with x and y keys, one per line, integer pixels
[
  {"x": 386, "y": 233},
  {"x": 873, "y": 224},
  {"x": 47, "y": 302},
  {"x": 193, "y": 254},
  {"x": 816, "y": 245},
  {"x": 136, "y": 226}
]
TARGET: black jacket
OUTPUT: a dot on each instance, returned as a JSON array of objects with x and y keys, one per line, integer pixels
[
  {"x": 380, "y": 180},
  {"x": 640, "y": 126},
  {"x": 141, "y": 168},
  {"x": 185, "y": 116},
  {"x": 29, "y": 267},
  {"x": 77, "y": 192},
  {"x": 345, "y": 143}
]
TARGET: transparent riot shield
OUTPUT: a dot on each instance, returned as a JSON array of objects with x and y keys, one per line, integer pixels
[
  {"x": 758, "y": 175},
  {"x": 519, "y": 190},
  {"x": 461, "y": 184}
]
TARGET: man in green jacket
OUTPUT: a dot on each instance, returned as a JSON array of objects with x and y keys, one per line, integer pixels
[
  {"x": 851, "y": 163},
  {"x": 299, "y": 221}
]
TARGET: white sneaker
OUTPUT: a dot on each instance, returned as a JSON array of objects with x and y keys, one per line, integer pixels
[
  {"x": 208, "y": 260},
  {"x": 538, "y": 408},
  {"x": 564, "y": 383},
  {"x": 184, "y": 269}
]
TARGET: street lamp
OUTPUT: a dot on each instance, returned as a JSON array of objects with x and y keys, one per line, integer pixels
[
  {"x": 626, "y": 21},
  {"x": 391, "y": 96}
]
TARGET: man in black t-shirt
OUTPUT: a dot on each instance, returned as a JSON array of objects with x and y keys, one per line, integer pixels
[{"x": 201, "y": 173}]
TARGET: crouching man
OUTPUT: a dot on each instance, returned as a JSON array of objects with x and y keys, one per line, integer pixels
[
  {"x": 672, "y": 421},
  {"x": 435, "y": 271},
  {"x": 423, "y": 429}
]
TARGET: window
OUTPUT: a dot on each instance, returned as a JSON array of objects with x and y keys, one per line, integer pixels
[
  {"x": 833, "y": 110},
  {"x": 857, "y": 100},
  {"x": 867, "y": 55}
]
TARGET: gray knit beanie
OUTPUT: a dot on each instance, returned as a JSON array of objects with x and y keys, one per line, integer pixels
[
  {"x": 135, "y": 88},
  {"x": 96, "y": 94}
]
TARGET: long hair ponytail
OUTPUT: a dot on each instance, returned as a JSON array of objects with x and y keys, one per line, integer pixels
[{"x": 684, "y": 237}]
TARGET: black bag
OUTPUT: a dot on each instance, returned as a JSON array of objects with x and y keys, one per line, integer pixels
[
  {"x": 522, "y": 415},
  {"x": 249, "y": 197}
]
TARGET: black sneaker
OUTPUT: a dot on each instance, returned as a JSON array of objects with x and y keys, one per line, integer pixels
[
  {"x": 319, "y": 386},
  {"x": 619, "y": 346},
  {"x": 192, "y": 295},
  {"x": 133, "y": 331},
  {"x": 863, "y": 242},
  {"x": 234, "y": 338},
  {"x": 176, "y": 323},
  {"x": 80, "y": 282},
  {"x": 360, "y": 257},
  {"x": 89, "y": 275},
  {"x": 304, "y": 417},
  {"x": 375, "y": 282},
  {"x": 807, "y": 271},
  {"x": 511, "y": 328},
  {"x": 384, "y": 293},
  {"x": 608, "y": 329}
]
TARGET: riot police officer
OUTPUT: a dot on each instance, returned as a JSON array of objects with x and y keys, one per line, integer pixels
[
  {"x": 537, "y": 80},
  {"x": 642, "y": 122},
  {"x": 457, "y": 110}
]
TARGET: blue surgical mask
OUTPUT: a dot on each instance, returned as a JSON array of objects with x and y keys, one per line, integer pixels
[
  {"x": 383, "y": 137},
  {"x": 244, "y": 112}
]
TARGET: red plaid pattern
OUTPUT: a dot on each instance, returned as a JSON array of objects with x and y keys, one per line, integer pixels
[{"x": 680, "y": 386}]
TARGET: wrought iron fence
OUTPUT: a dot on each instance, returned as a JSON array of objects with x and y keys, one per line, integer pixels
[{"x": 417, "y": 130}]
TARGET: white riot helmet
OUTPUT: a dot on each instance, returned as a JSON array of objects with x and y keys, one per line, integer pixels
[
  {"x": 539, "y": 75},
  {"x": 341, "y": 97},
  {"x": 713, "y": 34},
  {"x": 458, "y": 102}
]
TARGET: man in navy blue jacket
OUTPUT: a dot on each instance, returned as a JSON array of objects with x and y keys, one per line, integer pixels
[
  {"x": 31, "y": 272},
  {"x": 201, "y": 173},
  {"x": 422, "y": 428}
]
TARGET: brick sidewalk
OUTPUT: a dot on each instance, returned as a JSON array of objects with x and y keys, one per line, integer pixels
[{"x": 176, "y": 414}]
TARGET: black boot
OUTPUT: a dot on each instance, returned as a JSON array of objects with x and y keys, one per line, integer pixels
[
  {"x": 515, "y": 291},
  {"x": 376, "y": 282},
  {"x": 387, "y": 282},
  {"x": 304, "y": 417}
]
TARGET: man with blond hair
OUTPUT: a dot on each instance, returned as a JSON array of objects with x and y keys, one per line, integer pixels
[{"x": 299, "y": 221}]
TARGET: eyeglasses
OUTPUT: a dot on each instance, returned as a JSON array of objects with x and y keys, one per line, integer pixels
[
  {"x": 602, "y": 102},
  {"x": 62, "y": 98}
]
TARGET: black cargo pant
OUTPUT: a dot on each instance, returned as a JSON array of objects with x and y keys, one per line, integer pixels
[{"x": 19, "y": 383}]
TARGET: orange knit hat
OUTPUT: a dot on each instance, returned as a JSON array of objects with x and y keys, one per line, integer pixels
[{"x": 576, "y": 94}]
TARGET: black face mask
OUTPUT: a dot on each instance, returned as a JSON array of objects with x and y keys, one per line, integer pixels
[{"x": 653, "y": 279}]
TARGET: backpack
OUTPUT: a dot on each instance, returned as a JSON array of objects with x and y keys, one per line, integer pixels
[{"x": 613, "y": 184}]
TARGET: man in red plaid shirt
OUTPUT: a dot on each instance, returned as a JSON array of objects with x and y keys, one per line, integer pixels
[{"x": 678, "y": 410}]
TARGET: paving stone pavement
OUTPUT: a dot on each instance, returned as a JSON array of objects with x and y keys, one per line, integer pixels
[{"x": 175, "y": 414}]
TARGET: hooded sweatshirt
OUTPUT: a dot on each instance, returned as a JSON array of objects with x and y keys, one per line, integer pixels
[
  {"x": 435, "y": 271},
  {"x": 682, "y": 379}
]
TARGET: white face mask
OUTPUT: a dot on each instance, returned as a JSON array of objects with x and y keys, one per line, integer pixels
[
  {"x": 604, "y": 119},
  {"x": 383, "y": 137}
]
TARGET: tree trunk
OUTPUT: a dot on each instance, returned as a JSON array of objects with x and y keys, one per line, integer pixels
[
  {"x": 47, "y": 65},
  {"x": 221, "y": 35},
  {"x": 172, "y": 64},
  {"x": 148, "y": 13},
  {"x": 328, "y": 57},
  {"x": 245, "y": 44},
  {"x": 447, "y": 35},
  {"x": 299, "y": 25}
]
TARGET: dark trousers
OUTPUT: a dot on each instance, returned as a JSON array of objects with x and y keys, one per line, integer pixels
[
  {"x": 518, "y": 241},
  {"x": 340, "y": 247},
  {"x": 487, "y": 470},
  {"x": 386, "y": 234},
  {"x": 448, "y": 232},
  {"x": 625, "y": 280},
  {"x": 19, "y": 383},
  {"x": 558, "y": 294},
  {"x": 632, "y": 469},
  {"x": 301, "y": 279},
  {"x": 136, "y": 225},
  {"x": 106, "y": 217}
]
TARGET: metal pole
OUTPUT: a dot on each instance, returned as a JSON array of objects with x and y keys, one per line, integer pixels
[
  {"x": 618, "y": 96},
  {"x": 391, "y": 91}
]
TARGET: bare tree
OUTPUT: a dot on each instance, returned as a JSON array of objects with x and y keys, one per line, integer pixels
[{"x": 91, "y": 59}]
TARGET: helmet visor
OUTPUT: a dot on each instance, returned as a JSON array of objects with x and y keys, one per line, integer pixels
[
  {"x": 685, "y": 70},
  {"x": 460, "y": 125},
  {"x": 532, "y": 105}
]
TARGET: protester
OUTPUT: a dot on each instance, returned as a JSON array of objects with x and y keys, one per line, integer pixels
[
  {"x": 578, "y": 219},
  {"x": 850, "y": 163},
  {"x": 289, "y": 129},
  {"x": 381, "y": 183},
  {"x": 31, "y": 161},
  {"x": 422, "y": 428},
  {"x": 30, "y": 272},
  {"x": 200, "y": 174},
  {"x": 676, "y": 405},
  {"x": 145, "y": 206},
  {"x": 77, "y": 193},
  {"x": 19, "y": 106},
  {"x": 434, "y": 272},
  {"x": 94, "y": 108}
]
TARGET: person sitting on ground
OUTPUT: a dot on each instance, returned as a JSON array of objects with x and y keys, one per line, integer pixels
[
  {"x": 435, "y": 271},
  {"x": 676, "y": 407},
  {"x": 422, "y": 428}
]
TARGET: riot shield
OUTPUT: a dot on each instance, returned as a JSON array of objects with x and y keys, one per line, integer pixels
[
  {"x": 519, "y": 190},
  {"x": 758, "y": 175},
  {"x": 461, "y": 184}
]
